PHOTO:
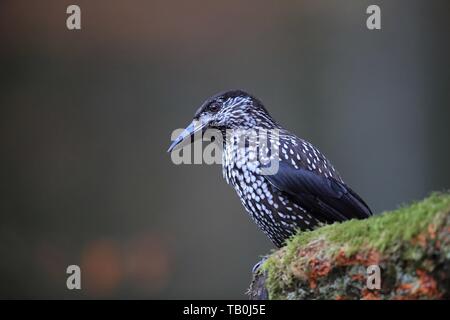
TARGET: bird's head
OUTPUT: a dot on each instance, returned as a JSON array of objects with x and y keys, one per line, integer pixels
[{"x": 230, "y": 110}]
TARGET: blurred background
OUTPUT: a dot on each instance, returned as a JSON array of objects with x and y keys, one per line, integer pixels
[{"x": 86, "y": 118}]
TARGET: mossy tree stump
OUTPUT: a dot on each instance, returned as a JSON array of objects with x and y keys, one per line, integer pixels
[{"x": 411, "y": 246}]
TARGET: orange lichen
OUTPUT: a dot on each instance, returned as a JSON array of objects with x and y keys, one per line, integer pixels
[
  {"x": 318, "y": 268},
  {"x": 365, "y": 259},
  {"x": 367, "y": 294},
  {"x": 428, "y": 285},
  {"x": 432, "y": 231},
  {"x": 312, "y": 283},
  {"x": 358, "y": 277},
  {"x": 420, "y": 239},
  {"x": 424, "y": 287},
  {"x": 405, "y": 287}
]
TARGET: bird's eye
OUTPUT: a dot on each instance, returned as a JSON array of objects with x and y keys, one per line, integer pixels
[{"x": 214, "y": 107}]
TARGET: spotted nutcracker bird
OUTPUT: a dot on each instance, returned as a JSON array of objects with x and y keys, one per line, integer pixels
[{"x": 303, "y": 193}]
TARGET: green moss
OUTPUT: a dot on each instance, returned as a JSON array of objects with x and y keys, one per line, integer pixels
[{"x": 384, "y": 233}]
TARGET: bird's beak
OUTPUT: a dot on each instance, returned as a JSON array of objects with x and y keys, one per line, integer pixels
[{"x": 191, "y": 129}]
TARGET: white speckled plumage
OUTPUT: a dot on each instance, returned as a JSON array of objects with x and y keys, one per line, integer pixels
[{"x": 304, "y": 193}]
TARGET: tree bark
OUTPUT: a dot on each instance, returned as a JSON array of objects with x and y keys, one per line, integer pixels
[{"x": 410, "y": 247}]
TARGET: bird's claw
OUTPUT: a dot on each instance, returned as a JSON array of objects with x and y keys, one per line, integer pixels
[{"x": 258, "y": 264}]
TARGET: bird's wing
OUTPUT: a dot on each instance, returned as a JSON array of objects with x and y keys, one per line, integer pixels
[{"x": 326, "y": 197}]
